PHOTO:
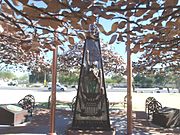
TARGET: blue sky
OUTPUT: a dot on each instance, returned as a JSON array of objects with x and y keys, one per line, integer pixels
[{"x": 120, "y": 48}]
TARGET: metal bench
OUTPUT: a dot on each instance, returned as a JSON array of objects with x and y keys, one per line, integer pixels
[
  {"x": 70, "y": 104},
  {"x": 125, "y": 101},
  {"x": 27, "y": 103},
  {"x": 152, "y": 106}
]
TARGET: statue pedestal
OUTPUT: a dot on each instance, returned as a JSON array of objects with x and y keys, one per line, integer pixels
[{"x": 90, "y": 132}]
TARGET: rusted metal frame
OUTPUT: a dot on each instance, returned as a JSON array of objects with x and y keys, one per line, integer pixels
[
  {"x": 74, "y": 113},
  {"x": 53, "y": 92},
  {"x": 129, "y": 83},
  {"x": 103, "y": 80}
]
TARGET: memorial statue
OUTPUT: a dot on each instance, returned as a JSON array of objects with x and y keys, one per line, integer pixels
[{"x": 91, "y": 107}]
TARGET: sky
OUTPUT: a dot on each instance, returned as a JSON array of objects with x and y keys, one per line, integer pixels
[{"x": 120, "y": 48}]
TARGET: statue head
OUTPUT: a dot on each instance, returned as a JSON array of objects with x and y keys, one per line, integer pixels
[{"x": 93, "y": 30}]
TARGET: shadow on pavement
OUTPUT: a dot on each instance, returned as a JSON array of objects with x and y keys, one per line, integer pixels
[{"x": 39, "y": 124}]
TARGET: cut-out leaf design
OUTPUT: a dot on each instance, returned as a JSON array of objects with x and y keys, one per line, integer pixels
[
  {"x": 81, "y": 36},
  {"x": 139, "y": 13},
  {"x": 120, "y": 38},
  {"x": 23, "y": 1},
  {"x": 6, "y": 8},
  {"x": 76, "y": 3},
  {"x": 96, "y": 10},
  {"x": 114, "y": 27},
  {"x": 155, "y": 5},
  {"x": 48, "y": 46},
  {"x": 113, "y": 39},
  {"x": 53, "y": 6},
  {"x": 15, "y": 2},
  {"x": 61, "y": 48},
  {"x": 177, "y": 23},
  {"x": 71, "y": 40},
  {"x": 101, "y": 29},
  {"x": 122, "y": 24},
  {"x": 136, "y": 29},
  {"x": 49, "y": 23},
  {"x": 170, "y": 24},
  {"x": 26, "y": 47},
  {"x": 84, "y": 25},
  {"x": 129, "y": 14},
  {"x": 91, "y": 20},
  {"x": 147, "y": 16},
  {"x": 45, "y": 32},
  {"x": 104, "y": 15},
  {"x": 156, "y": 52},
  {"x": 170, "y": 3},
  {"x": 74, "y": 20},
  {"x": 136, "y": 48},
  {"x": 31, "y": 12},
  {"x": 70, "y": 46}
]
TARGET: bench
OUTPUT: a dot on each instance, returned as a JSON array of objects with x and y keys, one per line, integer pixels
[
  {"x": 27, "y": 103},
  {"x": 152, "y": 106},
  {"x": 70, "y": 104}
]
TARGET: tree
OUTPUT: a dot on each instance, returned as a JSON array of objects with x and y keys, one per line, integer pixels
[
  {"x": 118, "y": 78},
  {"x": 7, "y": 75},
  {"x": 37, "y": 76},
  {"x": 159, "y": 80},
  {"x": 72, "y": 59},
  {"x": 68, "y": 78},
  {"x": 143, "y": 81},
  {"x": 177, "y": 81},
  {"x": 110, "y": 81}
]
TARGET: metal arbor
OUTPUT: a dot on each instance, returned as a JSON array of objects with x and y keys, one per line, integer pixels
[{"x": 91, "y": 106}]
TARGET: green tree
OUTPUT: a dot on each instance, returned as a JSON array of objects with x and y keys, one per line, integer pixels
[
  {"x": 110, "y": 81},
  {"x": 177, "y": 82},
  {"x": 159, "y": 80},
  {"x": 38, "y": 77},
  {"x": 7, "y": 75},
  {"x": 68, "y": 78},
  {"x": 117, "y": 78},
  {"x": 23, "y": 79},
  {"x": 143, "y": 81}
]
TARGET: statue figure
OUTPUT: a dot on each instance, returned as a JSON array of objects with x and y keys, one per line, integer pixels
[{"x": 91, "y": 107}]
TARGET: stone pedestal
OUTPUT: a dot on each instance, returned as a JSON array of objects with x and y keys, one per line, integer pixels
[
  {"x": 12, "y": 115},
  {"x": 90, "y": 132}
]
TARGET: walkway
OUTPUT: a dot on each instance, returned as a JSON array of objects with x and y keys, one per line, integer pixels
[{"x": 39, "y": 124}]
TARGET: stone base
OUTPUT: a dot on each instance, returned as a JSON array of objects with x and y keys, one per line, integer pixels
[
  {"x": 90, "y": 132},
  {"x": 12, "y": 115},
  {"x": 52, "y": 134}
]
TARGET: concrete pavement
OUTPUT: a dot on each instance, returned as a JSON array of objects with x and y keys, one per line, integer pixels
[{"x": 39, "y": 124}]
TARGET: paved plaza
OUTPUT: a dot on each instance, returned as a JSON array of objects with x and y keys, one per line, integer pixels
[{"x": 39, "y": 123}]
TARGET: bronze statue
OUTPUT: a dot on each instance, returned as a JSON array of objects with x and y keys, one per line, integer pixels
[{"x": 91, "y": 107}]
